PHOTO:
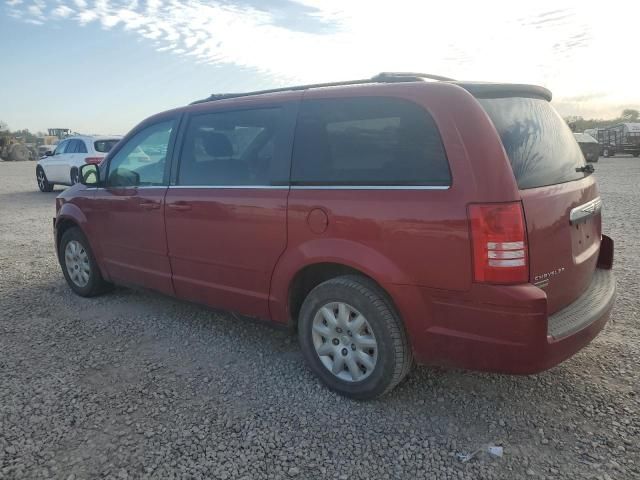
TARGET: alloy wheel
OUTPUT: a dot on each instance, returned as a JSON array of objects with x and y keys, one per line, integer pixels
[{"x": 41, "y": 179}]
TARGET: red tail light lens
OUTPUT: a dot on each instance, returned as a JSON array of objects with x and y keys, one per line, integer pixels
[
  {"x": 93, "y": 160},
  {"x": 499, "y": 237}
]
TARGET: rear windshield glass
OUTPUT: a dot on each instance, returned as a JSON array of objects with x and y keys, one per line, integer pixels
[
  {"x": 103, "y": 146},
  {"x": 540, "y": 145}
]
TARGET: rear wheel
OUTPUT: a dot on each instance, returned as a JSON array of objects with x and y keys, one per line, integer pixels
[
  {"x": 605, "y": 152},
  {"x": 73, "y": 175},
  {"x": 41, "y": 178},
  {"x": 79, "y": 265},
  {"x": 352, "y": 338},
  {"x": 636, "y": 154}
]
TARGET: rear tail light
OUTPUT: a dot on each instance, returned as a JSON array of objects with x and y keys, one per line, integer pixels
[
  {"x": 499, "y": 237},
  {"x": 93, "y": 160}
]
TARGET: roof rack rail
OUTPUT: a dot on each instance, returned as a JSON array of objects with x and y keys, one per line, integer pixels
[
  {"x": 408, "y": 77},
  {"x": 383, "y": 77}
]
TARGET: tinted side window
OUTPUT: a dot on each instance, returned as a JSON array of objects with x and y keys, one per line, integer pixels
[
  {"x": 104, "y": 146},
  {"x": 367, "y": 141},
  {"x": 61, "y": 148},
  {"x": 142, "y": 160},
  {"x": 81, "y": 147},
  {"x": 231, "y": 148},
  {"x": 73, "y": 147}
]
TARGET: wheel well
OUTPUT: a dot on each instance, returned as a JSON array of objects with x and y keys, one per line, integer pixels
[
  {"x": 310, "y": 277},
  {"x": 62, "y": 226}
]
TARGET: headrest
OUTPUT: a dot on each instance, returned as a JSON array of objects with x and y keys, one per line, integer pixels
[{"x": 216, "y": 144}]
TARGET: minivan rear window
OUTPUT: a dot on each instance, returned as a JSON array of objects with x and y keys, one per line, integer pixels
[
  {"x": 367, "y": 141},
  {"x": 541, "y": 147},
  {"x": 104, "y": 146}
]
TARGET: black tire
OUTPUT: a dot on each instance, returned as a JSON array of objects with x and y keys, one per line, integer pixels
[
  {"x": 41, "y": 179},
  {"x": 636, "y": 154},
  {"x": 605, "y": 153},
  {"x": 95, "y": 284},
  {"x": 394, "y": 357},
  {"x": 73, "y": 175}
]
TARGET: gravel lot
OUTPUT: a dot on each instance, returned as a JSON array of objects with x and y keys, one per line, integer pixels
[{"x": 134, "y": 384}]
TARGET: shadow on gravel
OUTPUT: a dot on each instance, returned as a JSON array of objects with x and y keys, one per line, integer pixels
[
  {"x": 31, "y": 196},
  {"x": 140, "y": 325},
  {"x": 223, "y": 357}
]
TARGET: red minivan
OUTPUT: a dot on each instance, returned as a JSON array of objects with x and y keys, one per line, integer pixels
[{"x": 388, "y": 220}]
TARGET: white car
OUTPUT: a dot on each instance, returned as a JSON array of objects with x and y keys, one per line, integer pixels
[{"x": 63, "y": 165}]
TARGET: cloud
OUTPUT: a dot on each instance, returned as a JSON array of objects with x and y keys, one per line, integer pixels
[
  {"x": 556, "y": 43},
  {"x": 62, "y": 11}
]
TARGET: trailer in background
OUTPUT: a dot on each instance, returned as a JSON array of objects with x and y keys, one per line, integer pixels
[
  {"x": 589, "y": 146},
  {"x": 618, "y": 139}
]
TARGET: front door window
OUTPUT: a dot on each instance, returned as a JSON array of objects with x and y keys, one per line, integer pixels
[{"x": 143, "y": 160}]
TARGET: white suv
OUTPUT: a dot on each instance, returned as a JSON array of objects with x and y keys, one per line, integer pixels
[{"x": 62, "y": 166}]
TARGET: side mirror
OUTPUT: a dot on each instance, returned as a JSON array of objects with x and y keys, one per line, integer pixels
[
  {"x": 48, "y": 153},
  {"x": 124, "y": 178},
  {"x": 89, "y": 175}
]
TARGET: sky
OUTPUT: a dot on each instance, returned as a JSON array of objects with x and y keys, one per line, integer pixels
[{"x": 102, "y": 66}]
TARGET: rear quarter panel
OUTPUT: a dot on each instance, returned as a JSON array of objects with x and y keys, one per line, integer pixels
[{"x": 403, "y": 236}]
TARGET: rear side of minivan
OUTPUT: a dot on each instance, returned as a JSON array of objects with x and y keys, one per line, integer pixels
[{"x": 470, "y": 206}]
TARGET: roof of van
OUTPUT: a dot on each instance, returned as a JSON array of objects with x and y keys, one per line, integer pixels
[{"x": 477, "y": 89}]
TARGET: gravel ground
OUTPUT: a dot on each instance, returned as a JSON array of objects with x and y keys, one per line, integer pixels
[{"x": 137, "y": 385}]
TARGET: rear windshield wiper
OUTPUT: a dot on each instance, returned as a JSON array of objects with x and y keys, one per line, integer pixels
[{"x": 588, "y": 168}]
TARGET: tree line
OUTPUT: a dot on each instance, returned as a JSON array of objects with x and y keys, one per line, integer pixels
[
  {"x": 25, "y": 134},
  {"x": 579, "y": 124}
]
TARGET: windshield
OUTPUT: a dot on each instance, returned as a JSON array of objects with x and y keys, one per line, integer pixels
[
  {"x": 104, "y": 146},
  {"x": 541, "y": 147}
]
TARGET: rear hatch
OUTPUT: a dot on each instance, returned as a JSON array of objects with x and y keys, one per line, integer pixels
[{"x": 560, "y": 200}]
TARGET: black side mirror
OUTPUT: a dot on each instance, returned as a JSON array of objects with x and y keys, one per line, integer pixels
[
  {"x": 124, "y": 178},
  {"x": 48, "y": 153},
  {"x": 89, "y": 175}
]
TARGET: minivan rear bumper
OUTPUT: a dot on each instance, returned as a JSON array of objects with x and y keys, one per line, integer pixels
[{"x": 506, "y": 329}]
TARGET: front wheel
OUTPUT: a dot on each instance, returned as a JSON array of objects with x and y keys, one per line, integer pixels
[
  {"x": 79, "y": 265},
  {"x": 43, "y": 183},
  {"x": 352, "y": 338}
]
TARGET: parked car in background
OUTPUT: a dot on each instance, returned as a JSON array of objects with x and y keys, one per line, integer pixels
[
  {"x": 61, "y": 166},
  {"x": 589, "y": 146},
  {"x": 388, "y": 220}
]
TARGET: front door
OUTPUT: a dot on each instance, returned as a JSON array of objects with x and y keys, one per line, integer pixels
[
  {"x": 131, "y": 209},
  {"x": 226, "y": 213},
  {"x": 55, "y": 164}
]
